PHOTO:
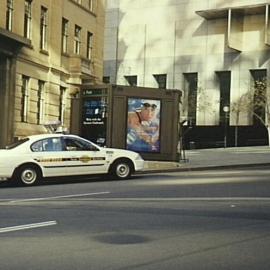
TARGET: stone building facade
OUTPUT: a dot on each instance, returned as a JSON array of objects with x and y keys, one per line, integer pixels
[
  {"x": 48, "y": 49},
  {"x": 213, "y": 51}
]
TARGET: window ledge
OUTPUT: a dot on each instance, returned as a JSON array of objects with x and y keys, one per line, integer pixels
[
  {"x": 65, "y": 54},
  {"x": 84, "y": 8},
  {"x": 44, "y": 52}
]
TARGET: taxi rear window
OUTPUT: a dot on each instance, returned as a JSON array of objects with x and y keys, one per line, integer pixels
[
  {"x": 17, "y": 143},
  {"x": 47, "y": 145}
]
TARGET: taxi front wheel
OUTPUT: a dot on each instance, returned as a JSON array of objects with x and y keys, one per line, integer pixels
[
  {"x": 122, "y": 169},
  {"x": 28, "y": 175}
]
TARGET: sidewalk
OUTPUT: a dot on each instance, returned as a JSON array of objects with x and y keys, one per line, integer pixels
[{"x": 201, "y": 159}]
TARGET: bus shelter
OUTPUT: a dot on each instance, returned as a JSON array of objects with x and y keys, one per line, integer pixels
[{"x": 141, "y": 119}]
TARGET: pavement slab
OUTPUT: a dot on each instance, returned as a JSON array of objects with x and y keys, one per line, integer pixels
[{"x": 214, "y": 158}]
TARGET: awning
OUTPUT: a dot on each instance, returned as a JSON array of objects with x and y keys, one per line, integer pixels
[{"x": 220, "y": 13}]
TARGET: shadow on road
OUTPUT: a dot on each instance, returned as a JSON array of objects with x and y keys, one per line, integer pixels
[{"x": 67, "y": 180}]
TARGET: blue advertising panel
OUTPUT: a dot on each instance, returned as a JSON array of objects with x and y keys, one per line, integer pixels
[
  {"x": 143, "y": 125},
  {"x": 94, "y": 116}
]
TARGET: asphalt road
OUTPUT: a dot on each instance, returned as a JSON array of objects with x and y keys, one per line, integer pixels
[{"x": 185, "y": 220}]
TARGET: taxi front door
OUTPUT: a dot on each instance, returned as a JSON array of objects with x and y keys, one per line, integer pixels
[{"x": 80, "y": 160}]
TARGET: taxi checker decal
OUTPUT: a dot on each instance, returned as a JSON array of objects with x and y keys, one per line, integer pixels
[{"x": 83, "y": 159}]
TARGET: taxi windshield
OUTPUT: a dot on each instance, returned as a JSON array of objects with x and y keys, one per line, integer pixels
[{"x": 17, "y": 143}]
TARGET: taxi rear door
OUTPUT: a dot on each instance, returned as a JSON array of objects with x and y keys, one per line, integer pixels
[{"x": 49, "y": 154}]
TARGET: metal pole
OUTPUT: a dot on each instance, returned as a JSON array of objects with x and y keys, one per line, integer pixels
[
  {"x": 225, "y": 131},
  {"x": 226, "y": 110}
]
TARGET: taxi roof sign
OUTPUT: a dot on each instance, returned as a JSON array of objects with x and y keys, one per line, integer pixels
[{"x": 55, "y": 127}]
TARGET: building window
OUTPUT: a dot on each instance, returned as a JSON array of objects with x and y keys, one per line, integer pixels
[
  {"x": 77, "y": 39},
  {"x": 27, "y": 18},
  {"x": 131, "y": 80},
  {"x": 41, "y": 102},
  {"x": 91, "y": 5},
  {"x": 25, "y": 98},
  {"x": 64, "y": 35},
  {"x": 106, "y": 79},
  {"x": 89, "y": 44},
  {"x": 62, "y": 104},
  {"x": 43, "y": 28},
  {"x": 224, "y": 78},
  {"x": 161, "y": 80},
  {"x": 9, "y": 15},
  {"x": 259, "y": 85},
  {"x": 190, "y": 88}
]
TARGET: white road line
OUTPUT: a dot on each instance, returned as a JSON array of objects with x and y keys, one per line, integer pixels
[
  {"x": 186, "y": 199},
  {"x": 60, "y": 197},
  {"x": 27, "y": 226}
]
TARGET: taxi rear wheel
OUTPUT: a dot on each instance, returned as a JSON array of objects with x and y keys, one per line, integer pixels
[
  {"x": 122, "y": 169},
  {"x": 28, "y": 175}
]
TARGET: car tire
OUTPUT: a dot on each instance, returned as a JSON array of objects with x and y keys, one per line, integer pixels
[
  {"x": 28, "y": 175},
  {"x": 121, "y": 169}
]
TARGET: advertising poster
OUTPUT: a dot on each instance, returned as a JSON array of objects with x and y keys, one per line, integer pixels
[
  {"x": 143, "y": 125},
  {"x": 95, "y": 119}
]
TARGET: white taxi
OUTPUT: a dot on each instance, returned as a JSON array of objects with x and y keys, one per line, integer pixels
[{"x": 48, "y": 155}]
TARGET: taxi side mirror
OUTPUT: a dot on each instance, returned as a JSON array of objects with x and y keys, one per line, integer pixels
[{"x": 93, "y": 148}]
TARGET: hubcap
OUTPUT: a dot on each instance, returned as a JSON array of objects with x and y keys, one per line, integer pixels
[
  {"x": 29, "y": 176},
  {"x": 122, "y": 170}
]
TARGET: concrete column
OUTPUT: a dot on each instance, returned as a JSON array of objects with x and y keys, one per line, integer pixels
[{"x": 7, "y": 98}]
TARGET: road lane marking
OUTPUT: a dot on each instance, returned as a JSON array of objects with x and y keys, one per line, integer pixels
[
  {"x": 60, "y": 197},
  {"x": 185, "y": 199},
  {"x": 202, "y": 181},
  {"x": 27, "y": 226}
]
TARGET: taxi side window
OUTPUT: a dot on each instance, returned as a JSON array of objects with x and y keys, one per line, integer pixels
[
  {"x": 78, "y": 145},
  {"x": 47, "y": 145}
]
